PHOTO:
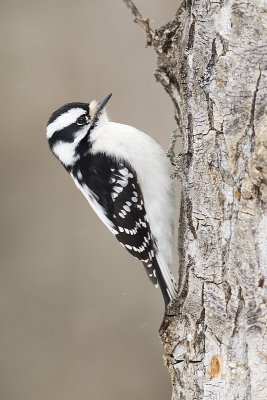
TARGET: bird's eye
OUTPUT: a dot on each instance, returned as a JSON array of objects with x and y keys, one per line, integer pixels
[{"x": 82, "y": 120}]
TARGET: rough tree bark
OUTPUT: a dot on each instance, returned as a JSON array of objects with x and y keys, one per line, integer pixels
[{"x": 212, "y": 60}]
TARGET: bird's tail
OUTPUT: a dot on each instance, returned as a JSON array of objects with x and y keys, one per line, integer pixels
[{"x": 166, "y": 280}]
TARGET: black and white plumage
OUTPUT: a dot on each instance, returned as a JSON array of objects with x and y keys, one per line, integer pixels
[{"x": 125, "y": 176}]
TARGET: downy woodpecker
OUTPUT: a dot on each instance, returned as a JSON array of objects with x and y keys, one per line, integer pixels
[{"x": 125, "y": 176}]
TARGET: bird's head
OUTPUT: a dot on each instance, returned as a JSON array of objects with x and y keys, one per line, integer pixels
[{"x": 72, "y": 123}]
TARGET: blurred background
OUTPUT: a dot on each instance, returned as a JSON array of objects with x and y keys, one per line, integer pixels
[{"x": 79, "y": 318}]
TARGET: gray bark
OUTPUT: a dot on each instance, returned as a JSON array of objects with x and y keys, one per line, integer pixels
[{"x": 212, "y": 61}]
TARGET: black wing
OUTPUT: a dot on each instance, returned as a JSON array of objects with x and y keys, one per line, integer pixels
[{"x": 117, "y": 191}]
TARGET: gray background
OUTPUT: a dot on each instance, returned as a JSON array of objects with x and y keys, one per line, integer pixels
[{"x": 79, "y": 318}]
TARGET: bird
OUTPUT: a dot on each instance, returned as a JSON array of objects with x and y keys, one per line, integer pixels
[{"x": 125, "y": 176}]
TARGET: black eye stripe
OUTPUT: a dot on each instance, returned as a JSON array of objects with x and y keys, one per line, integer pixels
[{"x": 64, "y": 135}]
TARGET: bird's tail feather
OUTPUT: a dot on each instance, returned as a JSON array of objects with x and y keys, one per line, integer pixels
[{"x": 166, "y": 280}]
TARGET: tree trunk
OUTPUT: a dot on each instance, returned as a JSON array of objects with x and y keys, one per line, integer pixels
[{"x": 212, "y": 61}]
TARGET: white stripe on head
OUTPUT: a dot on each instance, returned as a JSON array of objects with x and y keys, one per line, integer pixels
[{"x": 65, "y": 119}]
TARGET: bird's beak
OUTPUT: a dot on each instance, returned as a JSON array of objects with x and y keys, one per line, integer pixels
[
  {"x": 101, "y": 104},
  {"x": 96, "y": 107}
]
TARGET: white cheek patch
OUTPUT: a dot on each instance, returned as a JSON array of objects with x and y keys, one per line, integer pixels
[
  {"x": 64, "y": 120},
  {"x": 65, "y": 152}
]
